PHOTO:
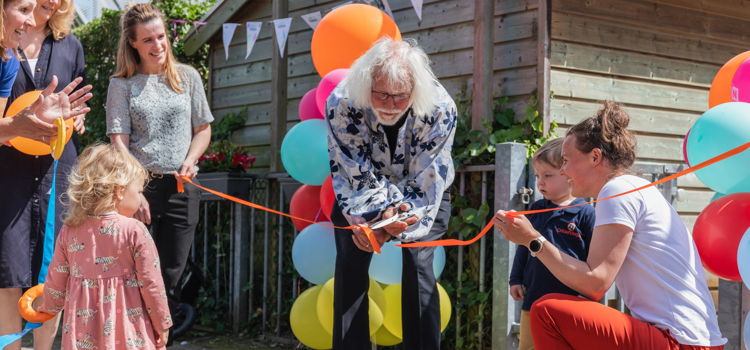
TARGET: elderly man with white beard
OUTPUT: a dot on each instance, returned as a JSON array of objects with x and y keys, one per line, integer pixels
[{"x": 391, "y": 127}]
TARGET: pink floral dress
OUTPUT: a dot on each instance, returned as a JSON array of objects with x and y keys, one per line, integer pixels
[{"x": 105, "y": 274}]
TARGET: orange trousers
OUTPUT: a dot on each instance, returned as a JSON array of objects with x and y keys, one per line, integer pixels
[{"x": 561, "y": 321}]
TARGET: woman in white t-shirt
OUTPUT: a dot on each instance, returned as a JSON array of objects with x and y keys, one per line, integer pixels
[{"x": 639, "y": 242}]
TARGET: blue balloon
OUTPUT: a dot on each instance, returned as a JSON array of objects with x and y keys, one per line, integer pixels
[
  {"x": 314, "y": 254},
  {"x": 743, "y": 259},
  {"x": 438, "y": 265},
  {"x": 718, "y": 130},
  {"x": 304, "y": 152},
  {"x": 387, "y": 266}
]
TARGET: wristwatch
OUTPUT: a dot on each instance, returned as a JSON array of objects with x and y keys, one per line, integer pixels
[{"x": 536, "y": 245}]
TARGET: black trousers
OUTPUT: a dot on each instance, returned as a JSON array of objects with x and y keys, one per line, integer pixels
[
  {"x": 420, "y": 304},
  {"x": 174, "y": 217}
]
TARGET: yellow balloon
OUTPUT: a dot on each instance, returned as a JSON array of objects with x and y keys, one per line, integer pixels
[
  {"x": 445, "y": 307},
  {"x": 324, "y": 304},
  {"x": 305, "y": 323},
  {"x": 376, "y": 294},
  {"x": 392, "y": 313},
  {"x": 385, "y": 338}
]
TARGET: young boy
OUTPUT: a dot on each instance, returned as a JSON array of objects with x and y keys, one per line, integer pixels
[{"x": 569, "y": 229}]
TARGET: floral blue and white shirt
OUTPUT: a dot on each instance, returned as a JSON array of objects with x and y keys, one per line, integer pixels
[{"x": 367, "y": 180}]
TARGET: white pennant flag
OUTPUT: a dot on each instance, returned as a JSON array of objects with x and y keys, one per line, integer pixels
[
  {"x": 417, "y": 7},
  {"x": 312, "y": 19},
  {"x": 252, "y": 29},
  {"x": 282, "y": 26},
  {"x": 227, "y": 34}
]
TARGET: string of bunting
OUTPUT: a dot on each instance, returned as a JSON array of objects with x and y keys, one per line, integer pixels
[{"x": 282, "y": 25}]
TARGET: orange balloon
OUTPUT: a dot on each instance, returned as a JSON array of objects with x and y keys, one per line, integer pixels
[
  {"x": 26, "y": 145},
  {"x": 346, "y": 33},
  {"x": 721, "y": 87},
  {"x": 27, "y": 311}
]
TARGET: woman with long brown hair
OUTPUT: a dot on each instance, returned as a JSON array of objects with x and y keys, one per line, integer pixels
[{"x": 157, "y": 110}]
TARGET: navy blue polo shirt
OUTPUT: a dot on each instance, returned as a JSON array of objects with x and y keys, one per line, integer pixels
[{"x": 570, "y": 231}]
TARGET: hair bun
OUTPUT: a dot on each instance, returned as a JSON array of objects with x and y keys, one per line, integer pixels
[{"x": 613, "y": 120}]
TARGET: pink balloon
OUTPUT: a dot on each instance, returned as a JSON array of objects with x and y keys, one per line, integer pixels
[
  {"x": 308, "y": 106},
  {"x": 326, "y": 86},
  {"x": 741, "y": 83},
  {"x": 684, "y": 148}
]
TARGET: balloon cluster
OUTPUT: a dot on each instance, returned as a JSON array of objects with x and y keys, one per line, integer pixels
[
  {"x": 722, "y": 230},
  {"x": 341, "y": 37}
]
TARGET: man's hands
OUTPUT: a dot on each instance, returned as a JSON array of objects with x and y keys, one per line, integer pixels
[
  {"x": 362, "y": 242},
  {"x": 398, "y": 227},
  {"x": 383, "y": 234}
]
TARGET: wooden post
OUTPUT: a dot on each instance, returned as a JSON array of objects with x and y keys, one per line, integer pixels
[
  {"x": 543, "y": 61},
  {"x": 278, "y": 91},
  {"x": 734, "y": 303},
  {"x": 481, "y": 105}
]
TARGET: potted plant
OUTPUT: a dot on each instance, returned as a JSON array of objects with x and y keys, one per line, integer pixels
[{"x": 224, "y": 165}]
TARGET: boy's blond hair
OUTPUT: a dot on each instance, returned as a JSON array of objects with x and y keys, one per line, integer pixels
[
  {"x": 100, "y": 170},
  {"x": 550, "y": 153}
]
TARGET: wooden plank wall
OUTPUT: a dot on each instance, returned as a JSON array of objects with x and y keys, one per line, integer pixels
[
  {"x": 446, "y": 33},
  {"x": 657, "y": 57}
]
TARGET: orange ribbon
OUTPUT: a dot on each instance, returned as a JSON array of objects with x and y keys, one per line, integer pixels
[
  {"x": 455, "y": 242},
  {"x": 368, "y": 231}
]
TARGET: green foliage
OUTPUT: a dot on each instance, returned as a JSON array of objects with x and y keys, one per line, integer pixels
[
  {"x": 99, "y": 39},
  {"x": 222, "y": 154},
  {"x": 477, "y": 147}
]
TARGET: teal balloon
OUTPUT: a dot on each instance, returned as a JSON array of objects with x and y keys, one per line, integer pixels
[
  {"x": 304, "y": 152},
  {"x": 719, "y": 130},
  {"x": 387, "y": 266},
  {"x": 716, "y": 196},
  {"x": 314, "y": 253}
]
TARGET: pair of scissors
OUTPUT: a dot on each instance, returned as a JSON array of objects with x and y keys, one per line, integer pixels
[{"x": 398, "y": 217}]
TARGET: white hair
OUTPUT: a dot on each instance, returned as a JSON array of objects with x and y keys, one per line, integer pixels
[{"x": 402, "y": 64}]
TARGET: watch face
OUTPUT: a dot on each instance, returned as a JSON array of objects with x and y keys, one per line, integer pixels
[{"x": 534, "y": 246}]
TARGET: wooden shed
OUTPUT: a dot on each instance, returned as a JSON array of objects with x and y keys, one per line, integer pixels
[{"x": 658, "y": 57}]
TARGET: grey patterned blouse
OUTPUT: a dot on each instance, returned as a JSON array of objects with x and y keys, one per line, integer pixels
[{"x": 159, "y": 120}]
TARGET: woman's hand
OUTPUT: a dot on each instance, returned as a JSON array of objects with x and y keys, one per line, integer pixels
[
  {"x": 515, "y": 228},
  {"x": 187, "y": 169},
  {"x": 143, "y": 214},
  {"x": 26, "y": 124},
  {"x": 66, "y": 103}
]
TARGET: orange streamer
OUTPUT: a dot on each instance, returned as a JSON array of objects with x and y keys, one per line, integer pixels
[
  {"x": 455, "y": 242},
  {"x": 368, "y": 231}
]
